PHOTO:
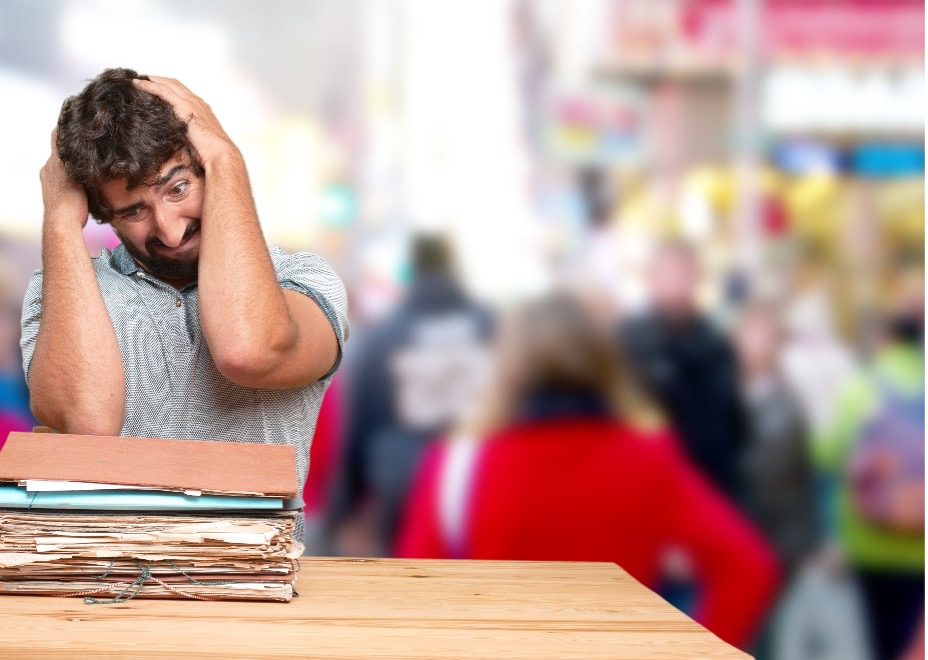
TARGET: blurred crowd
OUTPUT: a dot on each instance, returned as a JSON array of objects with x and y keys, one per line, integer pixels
[
  {"x": 756, "y": 469},
  {"x": 637, "y": 281}
]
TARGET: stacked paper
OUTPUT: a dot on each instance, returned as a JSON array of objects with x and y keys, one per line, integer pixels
[{"x": 117, "y": 518}]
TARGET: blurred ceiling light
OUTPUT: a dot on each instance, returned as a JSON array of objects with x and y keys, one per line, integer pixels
[
  {"x": 25, "y": 136},
  {"x": 465, "y": 164},
  {"x": 143, "y": 35}
]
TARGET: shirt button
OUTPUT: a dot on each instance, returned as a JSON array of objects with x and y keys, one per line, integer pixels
[{"x": 178, "y": 302}]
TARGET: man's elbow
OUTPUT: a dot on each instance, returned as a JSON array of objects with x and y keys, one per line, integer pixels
[
  {"x": 78, "y": 420},
  {"x": 266, "y": 369},
  {"x": 241, "y": 366},
  {"x": 250, "y": 365}
]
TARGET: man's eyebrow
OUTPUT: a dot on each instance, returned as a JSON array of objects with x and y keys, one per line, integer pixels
[
  {"x": 129, "y": 209},
  {"x": 167, "y": 177}
]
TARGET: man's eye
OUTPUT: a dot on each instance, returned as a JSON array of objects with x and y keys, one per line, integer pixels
[
  {"x": 133, "y": 215},
  {"x": 179, "y": 188}
]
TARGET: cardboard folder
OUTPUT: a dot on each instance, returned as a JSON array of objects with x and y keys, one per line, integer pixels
[{"x": 208, "y": 466}]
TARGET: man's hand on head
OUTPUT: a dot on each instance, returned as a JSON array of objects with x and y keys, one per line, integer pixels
[
  {"x": 206, "y": 133},
  {"x": 64, "y": 199}
]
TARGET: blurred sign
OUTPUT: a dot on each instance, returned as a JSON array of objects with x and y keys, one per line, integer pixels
[
  {"x": 891, "y": 28},
  {"x": 805, "y": 157},
  {"x": 597, "y": 127},
  {"x": 838, "y": 99},
  {"x": 889, "y": 160}
]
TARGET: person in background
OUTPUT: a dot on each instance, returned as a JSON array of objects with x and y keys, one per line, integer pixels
[
  {"x": 876, "y": 445},
  {"x": 411, "y": 376},
  {"x": 323, "y": 453},
  {"x": 815, "y": 360},
  {"x": 14, "y": 397},
  {"x": 689, "y": 367},
  {"x": 567, "y": 461},
  {"x": 779, "y": 483}
]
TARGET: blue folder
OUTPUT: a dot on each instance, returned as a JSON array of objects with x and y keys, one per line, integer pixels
[{"x": 131, "y": 500}]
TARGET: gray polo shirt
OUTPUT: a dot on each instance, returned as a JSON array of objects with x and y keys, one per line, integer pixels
[{"x": 173, "y": 389}]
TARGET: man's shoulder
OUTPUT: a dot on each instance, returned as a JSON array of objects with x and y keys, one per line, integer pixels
[
  {"x": 308, "y": 271},
  {"x": 281, "y": 258}
]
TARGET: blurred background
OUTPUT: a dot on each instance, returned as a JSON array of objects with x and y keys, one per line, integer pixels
[{"x": 731, "y": 190}]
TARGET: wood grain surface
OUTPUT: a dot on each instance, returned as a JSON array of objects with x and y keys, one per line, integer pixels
[{"x": 381, "y": 608}]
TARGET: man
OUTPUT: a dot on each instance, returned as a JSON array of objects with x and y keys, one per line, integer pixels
[
  {"x": 190, "y": 328},
  {"x": 690, "y": 368},
  {"x": 777, "y": 471}
]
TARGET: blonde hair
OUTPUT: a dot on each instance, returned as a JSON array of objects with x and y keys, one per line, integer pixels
[{"x": 554, "y": 342}]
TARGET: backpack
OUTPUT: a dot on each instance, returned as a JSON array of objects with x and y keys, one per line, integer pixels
[{"x": 887, "y": 466}]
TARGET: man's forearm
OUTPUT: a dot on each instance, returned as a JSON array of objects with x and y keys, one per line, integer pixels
[
  {"x": 76, "y": 379},
  {"x": 243, "y": 312},
  {"x": 258, "y": 335}
]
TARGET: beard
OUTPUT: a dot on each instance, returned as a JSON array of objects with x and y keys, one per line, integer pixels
[{"x": 163, "y": 267}]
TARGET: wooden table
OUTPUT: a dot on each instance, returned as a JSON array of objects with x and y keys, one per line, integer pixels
[{"x": 380, "y": 608}]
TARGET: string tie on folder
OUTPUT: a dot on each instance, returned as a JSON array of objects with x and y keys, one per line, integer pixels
[{"x": 131, "y": 589}]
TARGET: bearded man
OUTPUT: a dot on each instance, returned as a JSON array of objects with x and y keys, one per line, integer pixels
[{"x": 192, "y": 327}]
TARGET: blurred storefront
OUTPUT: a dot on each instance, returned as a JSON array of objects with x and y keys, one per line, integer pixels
[
  {"x": 784, "y": 137},
  {"x": 549, "y": 140}
]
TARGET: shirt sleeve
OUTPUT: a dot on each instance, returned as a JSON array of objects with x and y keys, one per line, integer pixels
[
  {"x": 310, "y": 275},
  {"x": 32, "y": 315}
]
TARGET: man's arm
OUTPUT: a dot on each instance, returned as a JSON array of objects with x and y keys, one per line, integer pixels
[
  {"x": 76, "y": 378},
  {"x": 259, "y": 335}
]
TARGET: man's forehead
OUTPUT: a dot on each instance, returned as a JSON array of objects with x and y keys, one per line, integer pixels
[{"x": 119, "y": 188}]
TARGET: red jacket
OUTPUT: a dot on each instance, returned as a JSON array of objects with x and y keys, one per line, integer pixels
[
  {"x": 10, "y": 422},
  {"x": 592, "y": 490},
  {"x": 324, "y": 450}
]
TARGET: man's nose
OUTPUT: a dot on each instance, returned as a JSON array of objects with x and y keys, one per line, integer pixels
[{"x": 170, "y": 230}]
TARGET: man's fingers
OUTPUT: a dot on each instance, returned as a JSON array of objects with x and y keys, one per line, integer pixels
[
  {"x": 173, "y": 83},
  {"x": 154, "y": 87},
  {"x": 174, "y": 86},
  {"x": 181, "y": 106}
]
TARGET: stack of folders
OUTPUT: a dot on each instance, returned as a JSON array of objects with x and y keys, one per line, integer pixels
[{"x": 111, "y": 519}]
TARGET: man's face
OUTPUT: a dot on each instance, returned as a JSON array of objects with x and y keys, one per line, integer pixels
[
  {"x": 159, "y": 220},
  {"x": 673, "y": 279},
  {"x": 757, "y": 339}
]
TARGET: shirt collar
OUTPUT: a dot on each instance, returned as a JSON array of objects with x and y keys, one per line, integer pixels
[{"x": 122, "y": 261}]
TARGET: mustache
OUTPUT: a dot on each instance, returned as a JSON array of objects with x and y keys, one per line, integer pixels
[{"x": 156, "y": 242}]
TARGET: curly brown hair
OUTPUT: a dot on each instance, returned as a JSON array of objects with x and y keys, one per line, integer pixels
[{"x": 114, "y": 130}]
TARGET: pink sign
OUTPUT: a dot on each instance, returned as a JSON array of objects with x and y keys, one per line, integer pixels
[{"x": 889, "y": 28}]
